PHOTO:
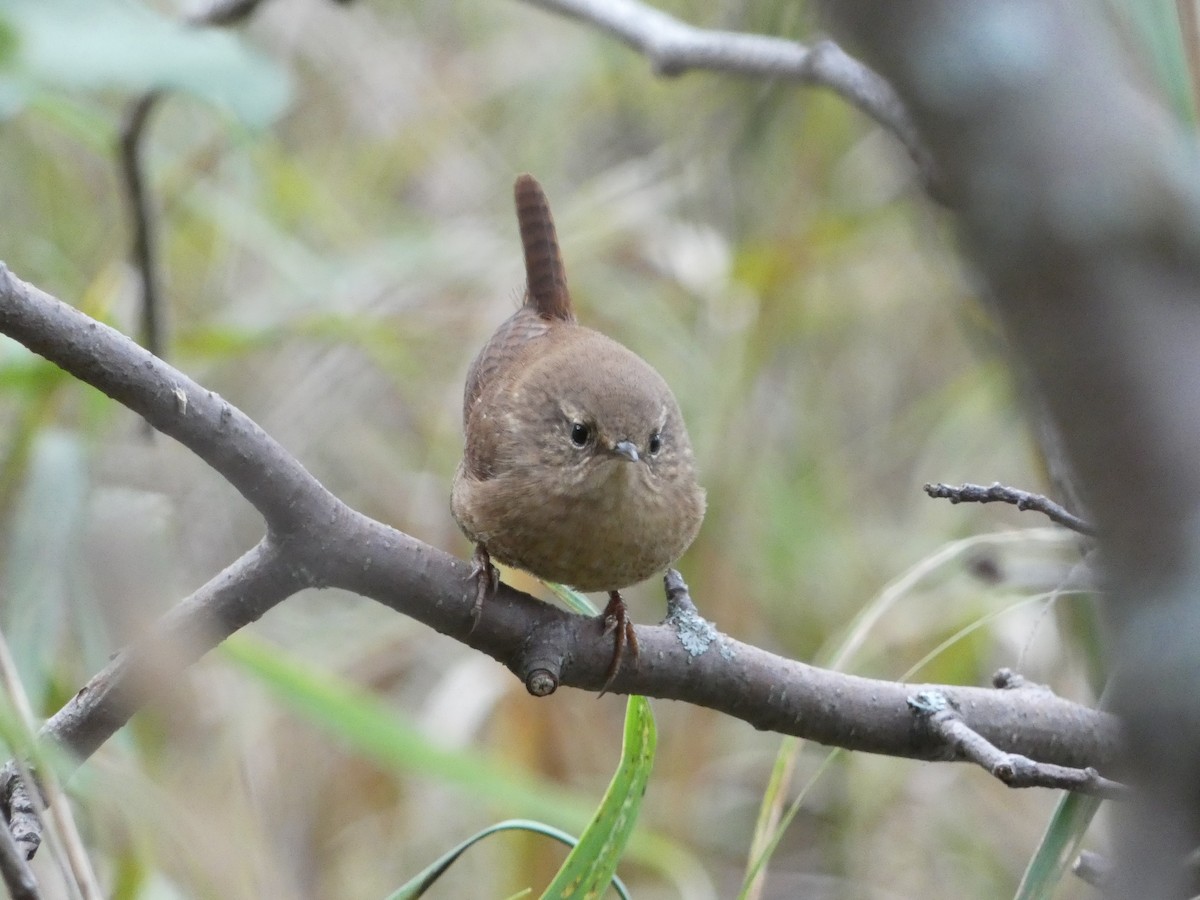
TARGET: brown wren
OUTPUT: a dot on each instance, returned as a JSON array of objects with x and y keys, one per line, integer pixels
[{"x": 577, "y": 466}]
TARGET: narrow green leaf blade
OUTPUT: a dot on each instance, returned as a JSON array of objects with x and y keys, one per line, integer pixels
[
  {"x": 571, "y": 598},
  {"x": 1059, "y": 846},
  {"x": 378, "y": 731},
  {"x": 590, "y": 866},
  {"x": 421, "y": 882}
]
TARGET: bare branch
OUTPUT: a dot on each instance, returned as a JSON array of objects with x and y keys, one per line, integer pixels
[
  {"x": 239, "y": 595},
  {"x": 674, "y": 47},
  {"x": 315, "y": 540},
  {"x": 1023, "y": 500},
  {"x": 941, "y": 717}
]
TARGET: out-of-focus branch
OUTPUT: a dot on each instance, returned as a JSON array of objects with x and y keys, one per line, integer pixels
[
  {"x": 239, "y": 595},
  {"x": 132, "y": 133},
  {"x": 674, "y": 47},
  {"x": 222, "y": 12},
  {"x": 14, "y": 869},
  {"x": 142, "y": 248},
  {"x": 314, "y": 540},
  {"x": 228, "y": 12},
  {"x": 1079, "y": 201}
]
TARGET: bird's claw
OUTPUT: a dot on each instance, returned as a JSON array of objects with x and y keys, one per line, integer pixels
[
  {"x": 487, "y": 581},
  {"x": 615, "y": 621}
]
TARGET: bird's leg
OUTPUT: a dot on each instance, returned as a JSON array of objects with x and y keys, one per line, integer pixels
[
  {"x": 615, "y": 620},
  {"x": 487, "y": 580}
]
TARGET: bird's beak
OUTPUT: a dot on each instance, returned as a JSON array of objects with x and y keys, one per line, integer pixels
[{"x": 626, "y": 449}]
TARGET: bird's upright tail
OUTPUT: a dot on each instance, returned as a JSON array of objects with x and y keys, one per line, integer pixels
[{"x": 544, "y": 273}]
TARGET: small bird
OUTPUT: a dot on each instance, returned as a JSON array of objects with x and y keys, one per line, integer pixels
[{"x": 577, "y": 467}]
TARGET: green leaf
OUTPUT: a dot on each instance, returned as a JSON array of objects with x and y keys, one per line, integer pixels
[
  {"x": 780, "y": 780},
  {"x": 572, "y": 599},
  {"x": 590, "y": 866},
  {"x": 418, "y": 885},
  {"x": 1059, "y": 846},
  {"x": 90, "y": 45},
  {"x": 380, "y": 732}
]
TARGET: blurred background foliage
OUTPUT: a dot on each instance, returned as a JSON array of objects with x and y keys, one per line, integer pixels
[{"x": 332, "y": 187}]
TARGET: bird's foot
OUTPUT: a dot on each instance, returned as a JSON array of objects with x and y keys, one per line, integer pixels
[
  {"x": 487, "y": 580},
  {"x": 615, "y": 621}
]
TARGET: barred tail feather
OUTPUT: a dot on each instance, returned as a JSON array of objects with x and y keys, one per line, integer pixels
[{"x": 544, "y": 273}]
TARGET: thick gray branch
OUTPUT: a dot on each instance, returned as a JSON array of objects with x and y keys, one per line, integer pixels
[
  {"x": 315, "y": 540},
  {"x": 269, "y": 477}
]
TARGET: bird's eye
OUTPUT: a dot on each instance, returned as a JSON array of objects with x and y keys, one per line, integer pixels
[
  {"x": 655, "y": 444},
  {"x": 580, "y": 434}
]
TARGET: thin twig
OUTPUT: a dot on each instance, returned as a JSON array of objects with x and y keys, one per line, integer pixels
[
  {"x": 674, "y": 47},
  {"x": 142, "y": 249},
  {"x": 1023, "y": 500},
  {"x": 943, "y": 720}
]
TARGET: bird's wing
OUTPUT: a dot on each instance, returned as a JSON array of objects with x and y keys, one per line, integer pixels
[{"x": 503, "y": 349}]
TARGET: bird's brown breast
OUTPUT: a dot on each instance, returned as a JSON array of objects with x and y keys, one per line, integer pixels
[{"x": 585, "y": 517}]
